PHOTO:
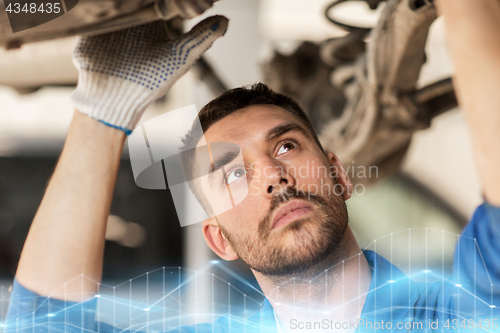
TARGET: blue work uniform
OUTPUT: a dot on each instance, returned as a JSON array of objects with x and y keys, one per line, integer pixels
[{"x": 468, "y": 301}]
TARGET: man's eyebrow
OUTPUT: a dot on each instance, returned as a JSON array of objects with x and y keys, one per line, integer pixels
[
  {"x": 222, "y": 160},
  {"x": 274, "y": 133},
  {"x": 279, "y": 130}
]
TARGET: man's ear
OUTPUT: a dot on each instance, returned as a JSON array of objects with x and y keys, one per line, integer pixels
[
  {"x": 341, "y": 176},
  {"x": 217, "y": 241}
]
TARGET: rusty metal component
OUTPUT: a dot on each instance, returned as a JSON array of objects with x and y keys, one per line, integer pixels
[
  {"x": 380, "y": 118},
  {"x": 337, "y": 51},
  {"x": 435, "y": 99},
  {"x": 186, "y": 9},
  {"x": 49, "y": 64},
  {"x": 345, "y": 26},
  {"x": 378, "y": 107},
  {"x": 362, "y": 100},
  {"x": 101, "y": 16},
  {"x": 374, "y": 3},
  {"x": 306, "y": 77}
]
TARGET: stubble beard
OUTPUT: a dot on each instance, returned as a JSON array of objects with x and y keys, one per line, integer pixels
[{"x": 309, "y": 241}]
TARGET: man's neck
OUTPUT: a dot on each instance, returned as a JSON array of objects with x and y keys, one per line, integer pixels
[{"x": 334, "y": 290}]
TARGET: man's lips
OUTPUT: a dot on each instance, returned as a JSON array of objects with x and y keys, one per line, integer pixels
[{"x": 291, "y": 211}]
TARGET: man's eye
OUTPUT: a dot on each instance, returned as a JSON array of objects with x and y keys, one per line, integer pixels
[
  {"x": 286, "y": 147},
  {"x": 235, "y": 175}
]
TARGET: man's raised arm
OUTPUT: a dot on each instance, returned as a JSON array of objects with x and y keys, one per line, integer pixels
[
  {"x": 66, "y": 238},
  {"x": 120, "y": 75},
  {"x": 473, "y": 29}
]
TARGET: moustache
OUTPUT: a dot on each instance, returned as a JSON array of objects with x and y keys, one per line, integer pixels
[{"x": 278, "y": 199}]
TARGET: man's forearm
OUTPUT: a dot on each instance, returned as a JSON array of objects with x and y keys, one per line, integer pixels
[
  {"x": 66, "y": 239},
  {"x": 473, "y": 29}
]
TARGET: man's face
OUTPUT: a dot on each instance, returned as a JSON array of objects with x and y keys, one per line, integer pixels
[{"x": 294, "y": 214}]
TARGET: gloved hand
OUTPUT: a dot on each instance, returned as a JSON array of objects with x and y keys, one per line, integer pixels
[{"x": 122, "y": 73}]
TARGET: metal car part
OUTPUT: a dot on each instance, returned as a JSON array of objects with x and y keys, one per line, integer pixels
[
  {"x": 376, "y": 106},
  {"x": 362, "y": 98},
  {"x": 101, "y": 16},
  {"x": 40, "y": 59}
]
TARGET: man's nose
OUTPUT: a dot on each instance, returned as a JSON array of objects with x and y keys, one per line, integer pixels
[{"x": 276, "y": 179}]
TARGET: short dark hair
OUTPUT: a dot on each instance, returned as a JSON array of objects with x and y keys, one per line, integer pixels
[{"x": 228, "y": 103}]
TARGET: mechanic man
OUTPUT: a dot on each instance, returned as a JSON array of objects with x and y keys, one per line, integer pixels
[{"x": 287, "y": 236}]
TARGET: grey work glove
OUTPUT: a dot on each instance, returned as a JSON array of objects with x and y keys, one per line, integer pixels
[{"x": 122, "y": 73}]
